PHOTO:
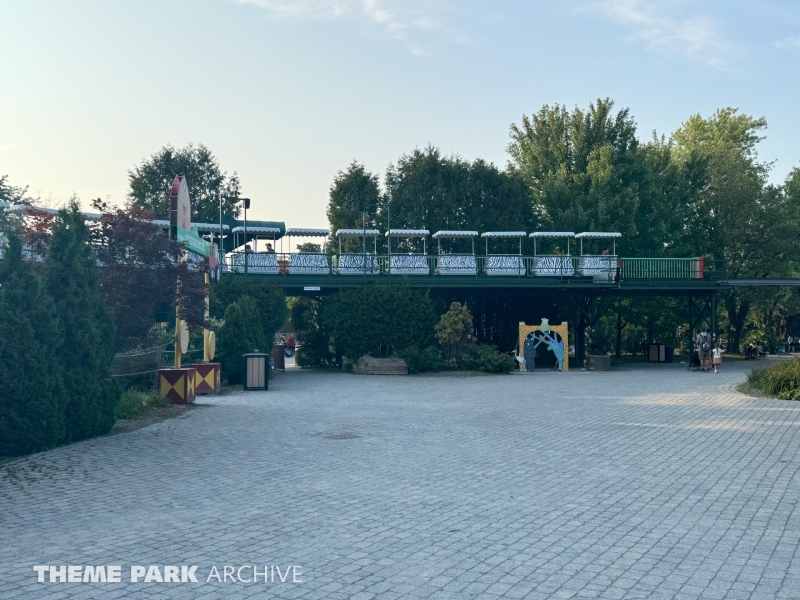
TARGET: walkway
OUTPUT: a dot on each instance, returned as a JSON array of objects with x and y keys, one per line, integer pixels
[{"x": 649, "y": 482}]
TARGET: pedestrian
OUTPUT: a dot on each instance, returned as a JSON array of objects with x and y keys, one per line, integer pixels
[
  {"x": 716, "y": 356},
  {"x": 703, "y": 342},
  {"x": 291, "y": 343}
]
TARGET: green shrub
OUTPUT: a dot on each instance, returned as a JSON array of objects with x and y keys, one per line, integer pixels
[
  {"x": 483, "y": 357},
  {"x": 133, "y": 404},
  {"x": 781, "y": 380},
  {"x": 421, "y": 361},
  {"x": 453, "y": 329},
  {"x": 241, "y": 333},
  {"x": 380, "y": 320},
  {"x": 493, "y": 361},
  {"x": 270, "y": 300}
]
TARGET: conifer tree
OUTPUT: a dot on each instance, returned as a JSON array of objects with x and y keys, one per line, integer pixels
[
  {"x": 31, "y": 388},
  {"x": 242, "y": 332},
  {"x": 88, "y": 344}
]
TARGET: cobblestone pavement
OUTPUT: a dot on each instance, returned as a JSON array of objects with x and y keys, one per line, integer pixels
[{"x": 647, "y": 482}]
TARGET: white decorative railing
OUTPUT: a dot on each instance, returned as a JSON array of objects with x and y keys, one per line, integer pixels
[
  {"x": 463, "y": 264},
  {"x": 308, "y": 263},
  {"x": 357, "y": 264},
  {"x": 257, "y": 262},
  {"x": 589, "y": 265},
  {"x": 504, "y": 265},
  {"x": 409, "y": 264},
  {"x": 552, "y": 266}
]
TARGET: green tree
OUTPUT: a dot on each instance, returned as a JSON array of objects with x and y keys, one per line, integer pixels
[
  {"x": 87, "y": 348},
  {"x": 241, "y": 333},
  {"x": 583, "y": 168},
  {"x": 426, "y": 190},
  {"x": 31, "y": 387},
  {"x": 151, "y": 182},
  {"x": 314, "y": 345},
  {"x": 270, "y": 301},
  {"x": 453, "y": 328},
  {"x": 353, "y": 204},
  {"x": 737, "y": 217}
]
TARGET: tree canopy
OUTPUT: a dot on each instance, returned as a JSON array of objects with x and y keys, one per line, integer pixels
[{"x": 151, "y": 181}]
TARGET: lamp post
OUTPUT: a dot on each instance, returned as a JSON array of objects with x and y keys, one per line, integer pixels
[{"x": 246, "y": 205}]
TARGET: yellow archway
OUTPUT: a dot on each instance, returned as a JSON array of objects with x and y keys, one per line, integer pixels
[{"x": 562, "y": 330}]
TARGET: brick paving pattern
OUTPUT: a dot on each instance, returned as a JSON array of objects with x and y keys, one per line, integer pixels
[{"x": 647, "y": 482}]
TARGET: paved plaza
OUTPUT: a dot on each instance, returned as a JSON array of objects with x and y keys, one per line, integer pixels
[{"x": 645, "y": 482}]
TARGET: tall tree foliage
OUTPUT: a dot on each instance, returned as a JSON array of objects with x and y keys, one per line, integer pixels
[
  {"x": 31, "y": 388},
  {"x": 140, "y": 268},
  {"x": 738, "y": 218},
  {"x": 87, "y": 347},
  {"x": 151, "y": 182},
  {"x": 354, "y": 201},
  {"x": 583, "y": 168},
  {"x": 426, "y": 190}
]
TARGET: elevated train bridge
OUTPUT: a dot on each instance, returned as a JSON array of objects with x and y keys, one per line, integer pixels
[{"x": 589, "y": 290}]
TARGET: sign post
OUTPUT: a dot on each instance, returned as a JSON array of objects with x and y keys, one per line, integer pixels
[{"x": 202, "y": 378}]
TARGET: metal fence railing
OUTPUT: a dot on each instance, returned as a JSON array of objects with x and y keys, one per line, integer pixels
[{"x": 446, "y": 265}]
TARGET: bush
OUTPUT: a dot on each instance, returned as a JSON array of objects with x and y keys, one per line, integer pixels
[
  {"x": 781, "y": 380},
  {"x": 421, "y": 361},
  {"x": 133, "y": 404},
  {"x": 453, "y": 329},
  {"x": 241, "y": 333},
  {"x": 380, "y": 320},
  {"x": 483, "y": 357},
  {"x": 270, "y": 301},
  {"x": 32, "y": 395}
]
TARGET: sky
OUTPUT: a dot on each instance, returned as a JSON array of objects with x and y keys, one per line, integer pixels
[{"x": 289, "y": 92}]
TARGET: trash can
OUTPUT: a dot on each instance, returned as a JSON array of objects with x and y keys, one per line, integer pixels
[
  {"x": 670, "y": 353},
  {"x": 256, "y": 371},
  {"x": 278, "y": 357}
]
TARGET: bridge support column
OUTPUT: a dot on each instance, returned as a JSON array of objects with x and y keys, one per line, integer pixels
[
  {"x": 714, "y": 316},
  {"x": 691, "y": 328}
]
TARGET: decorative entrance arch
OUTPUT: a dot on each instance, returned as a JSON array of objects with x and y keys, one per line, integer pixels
[{"x": 559, "y": 344}]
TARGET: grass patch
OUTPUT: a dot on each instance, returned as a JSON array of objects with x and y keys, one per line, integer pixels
[
  {"x": 780, "y": 380},
  {"x": 134, "y": 404}
]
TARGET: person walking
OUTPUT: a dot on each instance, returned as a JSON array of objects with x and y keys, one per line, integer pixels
[
  {"x": 291, "y": 343},
  {"x": 703, "y": 342},
  {"x": 716, "y": 357}
]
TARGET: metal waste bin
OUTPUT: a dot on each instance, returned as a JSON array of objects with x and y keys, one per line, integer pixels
[
  {"x": 279, "y": 357},
  {"x": 256, "y": 371}
]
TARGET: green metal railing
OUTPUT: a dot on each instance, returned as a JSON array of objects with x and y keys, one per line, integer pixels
[{"x": 662, "y": 268}]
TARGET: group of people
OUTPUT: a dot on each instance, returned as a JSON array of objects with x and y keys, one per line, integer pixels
[
  {"x": 709, "y": 352},
  {"x": 289, "y": 345}
]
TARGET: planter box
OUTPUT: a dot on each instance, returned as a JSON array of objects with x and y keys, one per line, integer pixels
[
  {"x": 366, "y": 365},
  {"x": 596, "y": 362},
  {"x": 177, "y": 385},
  {"x": 207, "y": 380}
]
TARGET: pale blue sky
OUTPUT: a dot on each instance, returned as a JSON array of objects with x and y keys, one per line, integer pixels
[{"x": 288, "y": 92}]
